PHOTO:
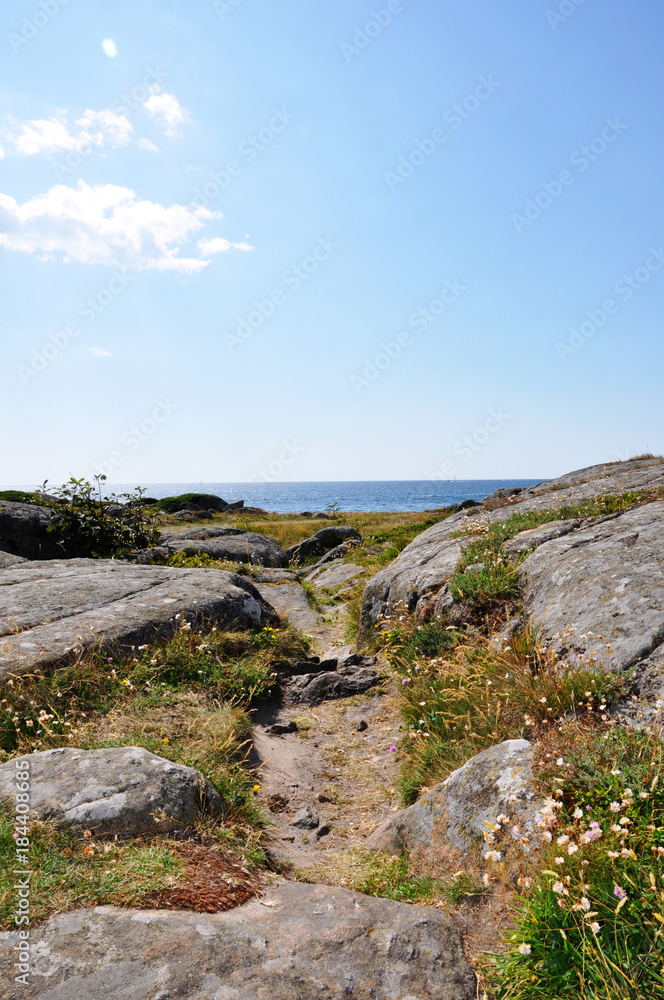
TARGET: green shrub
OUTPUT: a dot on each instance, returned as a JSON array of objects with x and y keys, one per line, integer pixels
[{"x": 89, "y": 526}]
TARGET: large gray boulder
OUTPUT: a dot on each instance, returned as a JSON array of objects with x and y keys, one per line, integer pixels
[
  {"x": 124, "y": 791},
  {"x": 24, "y": 531},
  {"x": 231, "y": 544},
  {"x": 301, "y": 942},
  {"x": 321, "y": 542},
  {"x": 467, "y": 805},
  {"x": 599, "y": 591},
  {"x": 427, "y": 563},
  {"x": 49, "y": 609}
]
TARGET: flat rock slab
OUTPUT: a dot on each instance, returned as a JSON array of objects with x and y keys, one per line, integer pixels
[
  {"x": 290, "y": 601},
  {"x": 124, "y": 791},
  {"x": 600, "y": 590},
  {"x": 309, "y": 942},
  {"x": 430, "y": 559},
  {"x": 48, "y": 608},
  {"x": 335, "y": 575},
  {"x": 457, "y": 811}
]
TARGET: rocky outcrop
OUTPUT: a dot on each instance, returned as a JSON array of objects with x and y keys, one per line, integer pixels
[
  {"x": 124, "y": 791},
  {"x": 467, "y": 805},
  {"x": 600, "y": 590},
  {"x": 298, "y": 943},
  {"x": 49, "y": 609},
  {"x": 24, "y": 531},
  {"x": 320, "y": 543},
  {"x": 423, "y": 567},
  {"x": 426, "y": 564},
  {"x": 230, "y": 544}
]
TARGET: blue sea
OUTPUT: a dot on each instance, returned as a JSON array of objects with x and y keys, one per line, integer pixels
[{"x": 351, "y": 496}]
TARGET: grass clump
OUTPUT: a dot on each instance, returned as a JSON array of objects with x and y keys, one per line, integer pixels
[
  {"x": 493, "y": 575},
  {"x": 471, "y": 696},
  {"x": 50, "y": 708},
  {"x": 71, "y": 870},
  {"x": 389, "y": 876},
  {"x": 593, "y": 924},
  {"x": 203, "y": 560}
]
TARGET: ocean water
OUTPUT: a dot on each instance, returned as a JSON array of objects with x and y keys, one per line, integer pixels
[{"x": 352, "y": 496}]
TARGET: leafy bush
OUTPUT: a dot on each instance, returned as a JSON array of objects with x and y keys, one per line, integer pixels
[
  {"x": 89, "y": 524},
  {"x": 593, "y": 924}
]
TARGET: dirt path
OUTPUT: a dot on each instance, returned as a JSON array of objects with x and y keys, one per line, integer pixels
[{"x": 338, "y": 766}]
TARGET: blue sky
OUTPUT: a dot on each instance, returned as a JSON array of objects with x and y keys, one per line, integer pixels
[{"x": 398, "y": 240}]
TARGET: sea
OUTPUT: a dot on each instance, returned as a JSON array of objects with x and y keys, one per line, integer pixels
[{"x": 399, "y": 495}]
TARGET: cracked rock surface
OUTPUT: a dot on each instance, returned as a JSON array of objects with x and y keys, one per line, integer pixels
[
  {"x": 300, "y": 943},
  {"x": 48, "y": 608}
]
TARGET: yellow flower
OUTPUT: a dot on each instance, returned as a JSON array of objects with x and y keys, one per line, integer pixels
[{"x": 256, "y": 789}]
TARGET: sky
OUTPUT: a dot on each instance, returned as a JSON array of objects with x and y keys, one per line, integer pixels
[{"x": 329, "y": 239}]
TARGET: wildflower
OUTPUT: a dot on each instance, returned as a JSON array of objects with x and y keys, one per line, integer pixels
[
  {"x": 405, "y": 680},
  {"x": 422, "y": 704},
  {"x": 613, "y": 854},
  {"x": 393, "y": 749},
  {"x": 578, "y": 813},
  {"x": 644, "y": 795},
  {"x": 563, "y": 839},
  {"x": 615, "y": 772},
  {"x": 502, "y": 818},
  {"x": 616, "y": 829},
  {"x": 256, "y": 789},
  {"x": 543, "y": 701},
  {"x": 165, "y": 740},
  {"x": 524, "y": 948},
  {"x": 619, "y": 892},
  {"x": 560, "y": 762},
  {"x": 572, "y": 849},
  {"x": 557, "y": 887},
  {"x": 615, "y": 807},
  {"x": 486, "y": 879},
  {"x": 492, "y": 856},
  {"x": 110, "y": 659},
  {"x": 624, "y": 820},
  {"x": 546, "y": 836},
  {"x": 559, "y": 861},
  {"x": 595, "y": 928}
]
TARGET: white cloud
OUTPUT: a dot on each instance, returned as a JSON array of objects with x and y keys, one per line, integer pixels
[
  {"x": 166, "y": 108},
  {"x": 100, "y": 353},
  {"x": 219, "y": 245},
  {"x": 106, "y": 224},
  {"x": 146, "y": 144},
  {"x": 54, "y": 135}
]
